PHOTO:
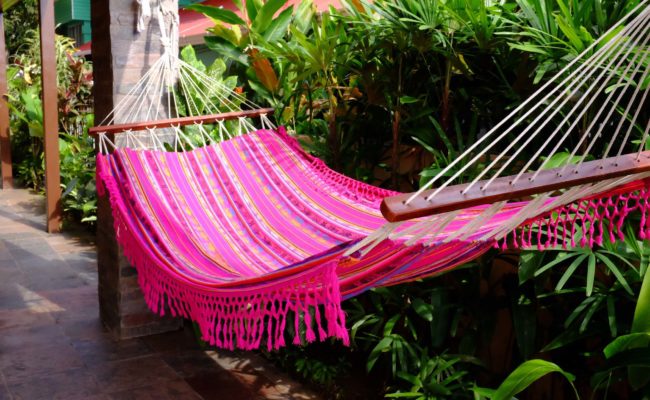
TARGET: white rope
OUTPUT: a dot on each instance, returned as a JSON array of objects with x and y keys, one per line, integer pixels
[
  {"x": 643, "y": 140},
  {"x": 182, "y": 134},
  {"x": 469, "y": 228},
  {"x": 595, "y": 85},
  {"x": 144, "y": 14},
  {"x": 592, "y": 66},
  {"x": 534, "y": 99},
  {"x": 448, "y": 219},
  {"x": 612, "y": 109},
  {"x": 266, "y": 122},
  {"x": 514, "y": 221},
  {"x": 372, "y": 240}
]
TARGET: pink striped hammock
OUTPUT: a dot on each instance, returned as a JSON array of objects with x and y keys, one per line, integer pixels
[
  {"x": 236, "y": 235},
  {"x": 252, "y": 233}
]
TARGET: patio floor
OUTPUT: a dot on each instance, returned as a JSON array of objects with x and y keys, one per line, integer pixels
[{"x": 52, "y": 343}]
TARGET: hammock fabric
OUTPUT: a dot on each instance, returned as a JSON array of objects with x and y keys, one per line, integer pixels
[{"x": 248, "y": 235}]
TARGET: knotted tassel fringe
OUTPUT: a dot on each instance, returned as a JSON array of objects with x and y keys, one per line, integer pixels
[
  {"x": 240, "y": 317},
  {"x": 598, "y": 218}
]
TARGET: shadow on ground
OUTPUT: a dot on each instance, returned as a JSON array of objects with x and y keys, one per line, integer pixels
[{"x": 53, "y": 345}]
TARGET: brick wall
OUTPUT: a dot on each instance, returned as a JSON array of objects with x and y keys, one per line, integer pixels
[{"x": 120, "y": 57}]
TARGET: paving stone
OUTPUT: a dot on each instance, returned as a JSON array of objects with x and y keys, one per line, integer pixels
[
  {"x": 118, "y": 376},
  {"x": 31, "y": 336},
  {"x": 10, "y": 296},
  {"x": 70, "y": 385},
  {"x": 51, "y": 275},
  {"x": 191, "y": 363},
  {"x": 170, "y": 390},
  {"x": 83, "y": 329},
  {"x": 95, "y": 352},
  {"x": 218, "y": 386},
  {"x": 43, "y": 360},
  {"x": 36, "y": 247},
  {"x": 74, "y": 300},
  {"x": 12, "y": 319},
  {"x": 53, "y": 344},
  {"x": 178, "y": 341},
  {"x": 4, "y": 393}
]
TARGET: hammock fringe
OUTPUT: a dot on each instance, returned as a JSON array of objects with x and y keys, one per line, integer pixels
[
  {"x": 254, "y": 309},
  {"x": 242, "y": 318},
  {"x": 597, "y": 218}
]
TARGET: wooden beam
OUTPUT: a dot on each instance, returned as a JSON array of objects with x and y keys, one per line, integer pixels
[
  {"x": 5, "y": 134},
  {"x": 182, "y": 121},
  {"x": 395, "y": 209},
  {"x": 50, "y": 116}
]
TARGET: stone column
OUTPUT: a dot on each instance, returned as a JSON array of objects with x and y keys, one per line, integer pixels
[{"x": 121, "y": 55}]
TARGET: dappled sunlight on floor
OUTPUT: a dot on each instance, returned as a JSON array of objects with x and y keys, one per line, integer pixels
[{"x": 53, "y": 345}]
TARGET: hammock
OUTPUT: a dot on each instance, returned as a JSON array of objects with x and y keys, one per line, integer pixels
[{"x": 246, "y": 233}]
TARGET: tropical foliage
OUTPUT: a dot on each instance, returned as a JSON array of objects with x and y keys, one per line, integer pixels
[
  {"x": 74, "y": 78},
  {"x": 390, "y": 92}
]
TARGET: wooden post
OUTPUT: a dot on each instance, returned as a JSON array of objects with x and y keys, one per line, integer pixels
[
  {"x": 50, "y": 116},
  {"x": 121, "y": 56},
  {"x": 5, "y": 135}
]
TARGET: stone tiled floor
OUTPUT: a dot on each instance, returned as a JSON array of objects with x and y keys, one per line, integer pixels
[{"x": 53, "y": 346}]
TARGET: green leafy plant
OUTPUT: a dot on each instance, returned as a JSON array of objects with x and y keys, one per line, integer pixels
[
  {"x": 74, "y": 78},
  {"x": 523, "y": 376}
]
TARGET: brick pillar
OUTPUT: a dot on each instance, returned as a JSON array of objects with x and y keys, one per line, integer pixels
[{"x": 121, "y": 56}]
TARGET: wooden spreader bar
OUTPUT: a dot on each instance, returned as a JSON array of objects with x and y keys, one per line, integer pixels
[
  {"x": 182, "y": 121},
  {"x": 451, "y": 198}
]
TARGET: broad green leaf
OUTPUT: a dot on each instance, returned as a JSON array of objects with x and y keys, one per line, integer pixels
[
  {"x": 217, "y": 14},
  {"x": 238, "y": 4},
  {"x": 526, "y": 374},
  {"x": 304, "y": 15},
  {"x": 408, "y": 100},
  {"x": 407, "y": 395},
  {"x": 412, "y": 379},
  {"x": 565, "y": 338},
  {"x": 640, "y": 375},
  {"x": 626, "y": 342},
  {"x": 483, "y": 392},
  {"x": 232, "y": 34},
  {"x": 226, "y": 49},
  {"x": 436, "y": 388},
  {"x": 252, "y": 6},
  {"x": 529, "y": 262},
  {"x": 280, "y": 26},
  {"x": 561, "y": 159},
  {"x": 633, "y": 358},
  {"x": 390, "y": 324},
  {"x": 423, "y": 309},
  {"x": 265, "y": 15},
  {"x": 189, "y": 56},
  {"x": 381, "y": 347},
  {"x": 529, "y": 48}
]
